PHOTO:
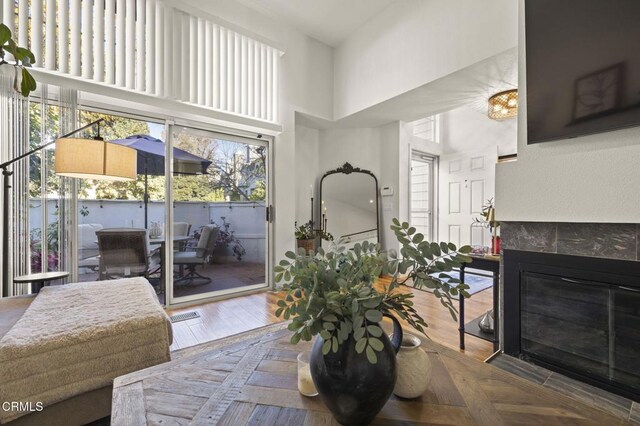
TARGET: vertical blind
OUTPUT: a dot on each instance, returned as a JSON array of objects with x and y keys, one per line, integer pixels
[{"x": 150, "y": 47}]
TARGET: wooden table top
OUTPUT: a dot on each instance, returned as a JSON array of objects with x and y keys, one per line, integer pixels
[
  {"x": 251, "y": 379},
  {"x": 41, "y": 276}
]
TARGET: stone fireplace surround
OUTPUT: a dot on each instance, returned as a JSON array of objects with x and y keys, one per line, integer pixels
[
  {"x": 600, "y": 240},
  {"x": 605, "y": 240}
]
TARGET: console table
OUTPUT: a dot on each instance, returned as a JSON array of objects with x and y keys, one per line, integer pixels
[
  {"x": 251, "y": 379},
  {"x": 484, "y": 263}
]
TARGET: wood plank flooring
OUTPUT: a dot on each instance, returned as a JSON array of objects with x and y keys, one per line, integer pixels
[
  {"x": 232, "y": 316},
  {"x": 251, "y": 379}
]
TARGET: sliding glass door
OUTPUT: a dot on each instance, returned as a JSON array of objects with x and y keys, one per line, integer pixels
[{"x": 219, "y": 236}]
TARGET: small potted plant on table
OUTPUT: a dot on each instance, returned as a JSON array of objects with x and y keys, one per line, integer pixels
[
  {"x": 308, "y": 238},
  {"x": 331, "y": 294}
]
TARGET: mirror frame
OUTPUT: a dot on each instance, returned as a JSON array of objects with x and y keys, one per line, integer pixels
[{"x": 347, "y": 169}]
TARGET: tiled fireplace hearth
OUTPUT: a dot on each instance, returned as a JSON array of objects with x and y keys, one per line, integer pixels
[{"x": 571, "y": 300}]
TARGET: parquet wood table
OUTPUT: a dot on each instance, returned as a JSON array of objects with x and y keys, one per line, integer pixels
[{"x": 251, "y": 379}]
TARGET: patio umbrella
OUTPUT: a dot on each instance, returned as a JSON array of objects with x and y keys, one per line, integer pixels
[{"x": 151, "y": 154}]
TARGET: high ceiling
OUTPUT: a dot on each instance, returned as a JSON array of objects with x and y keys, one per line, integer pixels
[
  {"x": 330, "y": 21},
  {"x": 471, "y": 87}
]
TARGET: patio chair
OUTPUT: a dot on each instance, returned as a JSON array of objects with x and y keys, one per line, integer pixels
[
  {"x": 123, "y": 253},
  {"x": 198, "y": 256},
  {"x": 88, "y": 246},
  {"x": 181, "y": 229}
]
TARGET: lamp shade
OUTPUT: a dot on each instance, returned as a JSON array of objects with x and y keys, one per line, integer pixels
[
  {"x": 95, "y": 159},
  {"x": 491, "y": 215}
]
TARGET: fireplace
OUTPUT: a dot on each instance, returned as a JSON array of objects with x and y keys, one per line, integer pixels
[{"x": 579, "y": 316}]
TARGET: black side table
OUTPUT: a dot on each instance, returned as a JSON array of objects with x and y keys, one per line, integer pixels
[
  {"x": 40, "y": 279},
  {"x": 490, "y": 264}
]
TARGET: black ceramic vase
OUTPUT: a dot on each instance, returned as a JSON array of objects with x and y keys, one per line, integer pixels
[{"x": 351, "y": 387}]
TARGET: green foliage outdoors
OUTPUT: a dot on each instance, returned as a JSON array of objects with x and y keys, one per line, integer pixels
[{"x": 331, "y": 293}]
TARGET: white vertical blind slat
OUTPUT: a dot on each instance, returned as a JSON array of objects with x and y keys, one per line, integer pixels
[
  {"x": 208, "y": 65},
  {"x": 275, "y": 86},
  {"x": 167, "y": 55},
  {"x": 37, "y": 23},
  {"x": 263, "y": 80},
  {"x": 185, "y": 71},
  {"x": 193, "y": 54},
  {"x": 268, "y": 87},
  {"x": 223, "y": 68},
  {"x": 87, "y": 39},
  {"x": 250, "y": 77},
  {"x": 230, "y": 70},
  {"x": 98, "y": 40},
  {"x": 150, "y": 47},
  {"x": 50, "y": 35},
  {"x": 237, "y": 72},
  {"x": 110, "y": 41},
  {"x": 23, "y": 23},
  {"x": 75, "y": 27},
  {"x": 215, "y": 45},
  {"x": 176, "y": 38},
  {"x": 130, "y": 44},
  {"x": 200, "y": 59},
  {"x": 63, "y": 35},
  {"x": 8, "y": 9},
  {"x": 243, "y": 76},
  {"x": 159, "y": 49},
  {"x": 140, "y": 45},
  {"x": 256, "y": 80},
  {"x": 121, "y": 32}
]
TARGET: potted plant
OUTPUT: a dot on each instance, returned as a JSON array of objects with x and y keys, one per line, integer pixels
[
  {"x": 331, "y": 294},
  {"x": 307, "y": 237},
  {"x": 488, "y": 218}
]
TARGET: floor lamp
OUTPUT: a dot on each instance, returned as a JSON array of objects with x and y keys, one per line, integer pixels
[{"x": 74, "y": 157}]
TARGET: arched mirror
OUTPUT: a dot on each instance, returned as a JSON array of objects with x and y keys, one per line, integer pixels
[{"x": 349, "y": 203}]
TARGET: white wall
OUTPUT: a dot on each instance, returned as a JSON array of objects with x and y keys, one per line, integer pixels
[
  {"x": 414, "y": 42},
  {"x": 373, "y": 149},
  {"x": 466, "y": 129},
  {"x": 308, "y": 173},
  {"x": 594, "y": 178}
]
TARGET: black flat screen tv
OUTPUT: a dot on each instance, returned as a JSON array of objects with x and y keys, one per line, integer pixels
[{"x": 583, "y": 67}]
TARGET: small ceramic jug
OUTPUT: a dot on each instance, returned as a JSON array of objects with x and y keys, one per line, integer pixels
[{"x": 414, "y": 368}]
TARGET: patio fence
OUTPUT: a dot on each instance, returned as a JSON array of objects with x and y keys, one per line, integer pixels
[{"x": 246, "y": 218}]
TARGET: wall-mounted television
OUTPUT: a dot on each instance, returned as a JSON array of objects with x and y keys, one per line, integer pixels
[{"x": 583, "y": 67}]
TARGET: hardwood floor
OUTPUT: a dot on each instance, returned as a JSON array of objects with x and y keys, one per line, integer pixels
[{"x": 243, "y": 313}]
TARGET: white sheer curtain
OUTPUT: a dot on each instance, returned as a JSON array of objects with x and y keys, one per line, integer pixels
[{"x": 25, "y": 124}]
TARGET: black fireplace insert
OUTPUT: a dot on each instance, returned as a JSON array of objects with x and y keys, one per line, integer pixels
[{"x": 579, "y": 316}]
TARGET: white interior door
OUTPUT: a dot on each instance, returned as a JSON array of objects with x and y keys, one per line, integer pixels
[{"x": 467, "y": 181}]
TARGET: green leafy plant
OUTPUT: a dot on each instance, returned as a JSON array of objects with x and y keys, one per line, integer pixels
[
  {"x": 332, "y": 293},
  {"x": 306, "y": 232},
  {"x": 23, "y": 81}
]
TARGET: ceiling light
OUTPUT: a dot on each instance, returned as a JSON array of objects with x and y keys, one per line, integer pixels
[{"x": 503, "y": 104}]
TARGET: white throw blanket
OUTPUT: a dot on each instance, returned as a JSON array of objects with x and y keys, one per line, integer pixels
[{"x": 78, "y": 337}]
